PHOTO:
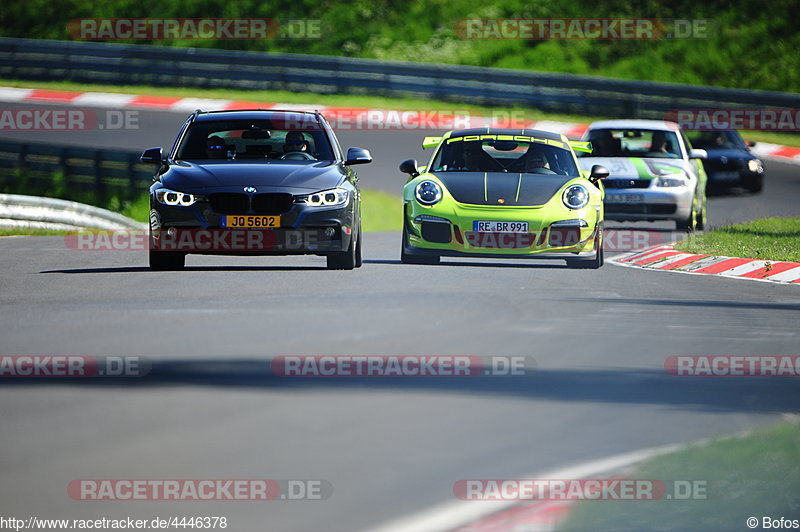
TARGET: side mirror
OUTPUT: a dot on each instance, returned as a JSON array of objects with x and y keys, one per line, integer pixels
[
  {"x": 152, "y": 156},
  {"x": 698, "y": 154},
  {"x": 598, "y": 172},
  {"x": 358, "y": 156},
  {"x": 750, "y": 143},
  {"x": 409, "y": 167}
]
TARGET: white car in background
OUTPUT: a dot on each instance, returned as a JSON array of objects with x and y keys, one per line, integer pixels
[{"x": 654, "y": 174}]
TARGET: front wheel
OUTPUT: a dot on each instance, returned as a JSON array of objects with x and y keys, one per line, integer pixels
[
  {"x": 756, "y": 186},
  {"x": 594, "y": 263},
  {"x": 407, "y": 258},
  {"x": 358, "y": 249},
  {"x": 689, "y": 224},
  {"x": 167, "y": 260},
  {"x": 345, "y": 260},
  {"x": 702, "y": 218}
]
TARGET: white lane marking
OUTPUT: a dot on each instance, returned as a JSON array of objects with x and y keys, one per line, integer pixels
[
  {"x": 13, "y": 94},
  {"x": 206, "y": 104},
  {"x": 702, "y": 263},
  {"x": 787, "y": 276},
  {"x": 301, "y": 107},
  {"x": 669, "y": 260},
  {"x": 745, "y": 268},
  {"x": 449, "y": 515},
  {"x": 103, "y": 99}
]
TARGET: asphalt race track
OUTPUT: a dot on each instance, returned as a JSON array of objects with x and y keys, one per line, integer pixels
[{"x": 389, "y": 447}]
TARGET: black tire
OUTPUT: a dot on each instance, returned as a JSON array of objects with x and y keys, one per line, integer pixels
[
  {"x": 405, "y": 258},
  {"x": 594, "y": 263},
  {"x": 358, "y": 250},
  {"x": 167, "y": 260},
  {"x": 689, "y": 224},
  {"x": 702, "y": 218},
  {"x": 756, "y": 186},
  {"x": 344, "y": 260}
]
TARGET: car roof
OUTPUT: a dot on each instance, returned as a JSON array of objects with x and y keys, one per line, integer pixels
[
  {"x": 257, "y": 114},
  {"x": 499, "y": 131},
  {"x": 659, "y": 125}
]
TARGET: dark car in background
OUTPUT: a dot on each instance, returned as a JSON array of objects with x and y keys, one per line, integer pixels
[
  {"x": 730, "y": 162},
  {"x": 255, "y": 183}
]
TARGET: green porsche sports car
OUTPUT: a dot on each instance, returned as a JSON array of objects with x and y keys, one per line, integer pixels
[{"x": 503, "y": 193}]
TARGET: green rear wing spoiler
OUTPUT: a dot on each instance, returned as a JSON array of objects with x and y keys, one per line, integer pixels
[
  {"x": 431, "y": 142},
  {"x": 580, "y": 145}
]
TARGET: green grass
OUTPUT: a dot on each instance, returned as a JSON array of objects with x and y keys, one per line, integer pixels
[
  {"x": 754, "y": 475},
  {"x": 31, "y": 232},
  {"x": 342, "y": 100},
  {"x": 381, "y": 211},
  {"x": 138, "y": 209},
  {"x": 773, "y": 239}
]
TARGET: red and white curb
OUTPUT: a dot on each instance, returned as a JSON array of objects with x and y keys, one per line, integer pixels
[
  {"x": 666, "y": 258},
  {"x": 380, "y": 119},
  {"x": 364, "y": 118}
]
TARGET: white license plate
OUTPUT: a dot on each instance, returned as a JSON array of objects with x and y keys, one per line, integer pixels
[
  {"x": 500, "y": 227},
  {"x": 624, "y": 198},
  {"x": 725, "y": 176}
]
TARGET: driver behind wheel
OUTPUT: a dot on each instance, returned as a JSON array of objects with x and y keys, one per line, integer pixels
[
  {"x": 295, "y": 141},
  {"x": 533, "y": 159}
]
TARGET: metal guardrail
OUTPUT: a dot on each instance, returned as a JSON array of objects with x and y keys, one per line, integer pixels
[
  {"x": 43, "y": 167},
  {"x": 127, "y": 64},
  {"x": 50, "y": 213}
]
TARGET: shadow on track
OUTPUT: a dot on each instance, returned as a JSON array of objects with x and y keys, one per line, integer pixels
[
  {"x": 690, "y": 303},
  {"x": 447, "y": 261},
  {"x": 145, "y": 269},
  {"x": 610, "y": 386}
]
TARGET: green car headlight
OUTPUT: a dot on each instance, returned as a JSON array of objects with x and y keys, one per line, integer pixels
[
  {"x": 576, "y": 197},
  {"x": 428, "y": 193}
]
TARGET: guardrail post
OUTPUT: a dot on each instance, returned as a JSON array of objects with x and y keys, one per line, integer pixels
[
  {"x": 131, "y": 174},
  {"x": 97, "y": 166}
]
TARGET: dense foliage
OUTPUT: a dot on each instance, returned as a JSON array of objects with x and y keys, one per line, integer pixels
[{"x": 751, "y": 45}]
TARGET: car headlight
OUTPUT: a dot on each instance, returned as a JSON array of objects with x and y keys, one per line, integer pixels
[
  {"x": 754, "y": 165},
  {"x": 173, "y": 198},
  {"x": 671, "y": 182},
  {"x": 576, "y": 197},
  {"x": 328, "y": 198},
  {"x": 428, "y": 193}
]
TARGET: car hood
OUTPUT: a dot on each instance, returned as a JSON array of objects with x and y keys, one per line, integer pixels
[
  {"x": 717, "y": 153},
  {"x": 479, "y": 188},
  {"x": 637, "y": 167},
  {"x": 299, "y": 177}
]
